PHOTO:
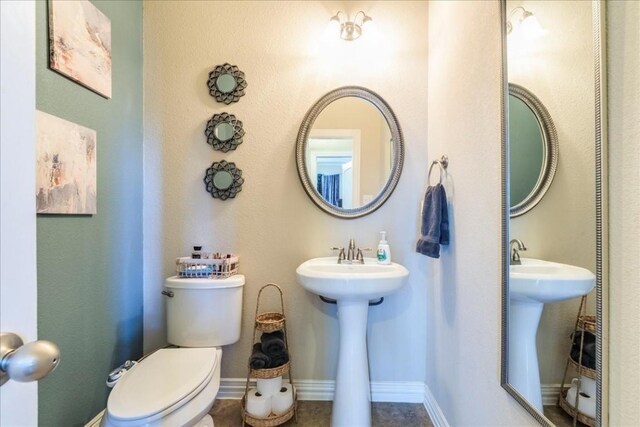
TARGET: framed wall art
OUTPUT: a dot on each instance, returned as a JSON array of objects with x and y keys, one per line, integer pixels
[
  {"x": 80, "y": 44},
  {"x": 66, "y": 166}
]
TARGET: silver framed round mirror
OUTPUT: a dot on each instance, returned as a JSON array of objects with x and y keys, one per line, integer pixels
[
  {"x": 349, "y": 152},
  {"x": 533, "y": 150}
]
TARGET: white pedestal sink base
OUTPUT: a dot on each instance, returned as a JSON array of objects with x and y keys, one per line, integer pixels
[
  {"x": 352, "y": 399},
  {"x": 524, "y": 372}
]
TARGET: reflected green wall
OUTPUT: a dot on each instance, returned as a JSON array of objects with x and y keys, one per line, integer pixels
[
  {"x": 90, "y": 267},
  {"x": 526, "y": 150}
]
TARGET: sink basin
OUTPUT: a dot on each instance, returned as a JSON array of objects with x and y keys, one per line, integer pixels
[
  {"x": 531, "y": 285},
  {"x": 545, "y": 281},
  {"x": 352, "y": 286},
  {"x": 324, "y": 276}
]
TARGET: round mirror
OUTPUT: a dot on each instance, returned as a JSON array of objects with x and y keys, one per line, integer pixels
[
  {"x": 223, "y": 131},
  {"x": 226, "y": 83},
  {"x": 222, "y": 180},
  {"x": 349, "y": 152},
  {"x": 533, "y": 150}
]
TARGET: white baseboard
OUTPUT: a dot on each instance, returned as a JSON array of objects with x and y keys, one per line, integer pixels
[
  {"x": 433, "y": 409},
  {"x": 381, "y": 391},
  {"x": 550, "y": 393}
]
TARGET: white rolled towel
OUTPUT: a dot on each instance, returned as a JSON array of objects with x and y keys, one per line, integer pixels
[
  {"x": 281, "y": 402},
  {"x": 258, "y": 405},
  {"x": 270, "y": 386}
]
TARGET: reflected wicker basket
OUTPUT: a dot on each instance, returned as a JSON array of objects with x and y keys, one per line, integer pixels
[{"x": 584, "y": 419}]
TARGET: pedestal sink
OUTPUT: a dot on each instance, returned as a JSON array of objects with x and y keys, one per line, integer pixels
[
  {"x": 352, "y": 286},
  {"x": 531, "y": 285}
]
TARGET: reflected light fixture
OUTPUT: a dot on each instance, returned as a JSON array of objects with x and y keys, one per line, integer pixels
[
  {"x": 527, "y": 22},
  {"x": 349, "y": 30}
]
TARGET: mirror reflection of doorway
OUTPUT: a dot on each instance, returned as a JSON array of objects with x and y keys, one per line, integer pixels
[{"x": 333, "y": 158}]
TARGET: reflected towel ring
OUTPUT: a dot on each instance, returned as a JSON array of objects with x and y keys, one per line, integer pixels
[{"x": 443, "y": 163}]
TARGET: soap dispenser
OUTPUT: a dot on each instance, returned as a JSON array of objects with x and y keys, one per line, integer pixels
[{"x": 384, "y": 252}]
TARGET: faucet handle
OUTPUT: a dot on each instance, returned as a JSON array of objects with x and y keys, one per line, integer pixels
[
  {"x": 341, "y": 255},
  {"x": 359, "y": 256}
]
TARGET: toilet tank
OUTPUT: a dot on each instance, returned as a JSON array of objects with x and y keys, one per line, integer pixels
[{"x": 203, "y": 312}]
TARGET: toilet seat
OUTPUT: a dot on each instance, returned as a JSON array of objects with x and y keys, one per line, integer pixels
[{"x": 162, "y": 383}]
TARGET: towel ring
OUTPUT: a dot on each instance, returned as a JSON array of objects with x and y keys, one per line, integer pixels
[{"x": 443, "y": 163}]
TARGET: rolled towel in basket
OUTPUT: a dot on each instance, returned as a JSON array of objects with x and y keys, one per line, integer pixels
[
  {"x": 279, "y": 359},
  {"x": 258, "y": 359},
  {"x": 273, "y": 343}
]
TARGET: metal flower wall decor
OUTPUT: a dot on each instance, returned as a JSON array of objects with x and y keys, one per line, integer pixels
[
  {"x": 223, "y": 180},
  {"x": 224, "y": 132},
  {"x": 226, "y": 83}
]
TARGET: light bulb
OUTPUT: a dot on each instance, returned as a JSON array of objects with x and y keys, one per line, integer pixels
[{"x": 530, "y": 28}]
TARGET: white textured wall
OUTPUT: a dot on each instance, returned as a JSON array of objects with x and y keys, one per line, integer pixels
[
  {"x": 464, "y": 286},
  {"x": 623, "y": 23},
  {"x": 272, "y": 224},
  {"x": 558, "y": 69}
]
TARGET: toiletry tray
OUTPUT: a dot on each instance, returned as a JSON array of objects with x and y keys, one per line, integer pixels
[{"x": 207, "y": 268}]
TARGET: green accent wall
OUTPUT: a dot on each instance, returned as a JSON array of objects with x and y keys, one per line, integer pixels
[{"x": 90, "y": 266}]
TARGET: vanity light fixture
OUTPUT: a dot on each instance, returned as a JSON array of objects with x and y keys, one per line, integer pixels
[
  {"x": 349, "y": 30},
  {"x": 528, "y": 22}
]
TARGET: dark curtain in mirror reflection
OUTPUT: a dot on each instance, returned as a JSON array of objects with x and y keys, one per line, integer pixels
[{"x": 329, "y": 187}]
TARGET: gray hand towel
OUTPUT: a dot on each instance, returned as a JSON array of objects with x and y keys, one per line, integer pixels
[{"x": 435, "y": 222}]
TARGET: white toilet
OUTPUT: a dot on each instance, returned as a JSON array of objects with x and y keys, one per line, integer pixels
[{"x": 177, "y": 386}]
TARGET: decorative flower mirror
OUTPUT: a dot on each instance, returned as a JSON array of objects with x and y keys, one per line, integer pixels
[
  {"x": 224, "y": 132},
  {"x": 226, "y": 83},
  {"x": 223, "y": 180}
]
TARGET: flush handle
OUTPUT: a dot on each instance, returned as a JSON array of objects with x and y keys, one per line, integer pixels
[
  {"x": 26, "y": 362},
  {"x": 167, "y": 293}
]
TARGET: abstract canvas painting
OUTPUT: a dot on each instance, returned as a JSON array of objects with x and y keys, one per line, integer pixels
[
  {"x": 80, "y": 44},
  {"x": 65, "y": 166}
]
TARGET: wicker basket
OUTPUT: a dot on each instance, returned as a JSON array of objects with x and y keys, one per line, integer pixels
[
  {"x": 207, "y": 268},
  {"x": 270, "y": 321},
  {"x": 264, "y": 374},
  {"x": 587, "y": 323},
  {"x": 583, "y": 370},
  {"x": 272, "y": 420},
  {"x": 591, "y": 422}
]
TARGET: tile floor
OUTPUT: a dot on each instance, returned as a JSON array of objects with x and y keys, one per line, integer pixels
[
  {"x": 226, "y": 413},
  {"x": 559, "y": 417}
]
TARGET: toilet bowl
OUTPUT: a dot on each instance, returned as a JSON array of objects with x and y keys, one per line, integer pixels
[
  {"x": 171, "y": 387},
  {"x": 178, "y": 386}
]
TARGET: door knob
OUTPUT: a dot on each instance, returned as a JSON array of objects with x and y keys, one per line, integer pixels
[{"x": 26, "y": 362}]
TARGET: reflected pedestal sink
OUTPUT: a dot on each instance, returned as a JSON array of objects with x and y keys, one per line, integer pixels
[
  {"x": 352, "y": 286},
  {"x": 531, "y": 285}
]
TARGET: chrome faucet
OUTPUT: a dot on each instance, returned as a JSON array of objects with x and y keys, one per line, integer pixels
[
  {"x": 515, "y": 246},
  {"x": 351, "y": 251},
  {"x": 353, "y": 255}
]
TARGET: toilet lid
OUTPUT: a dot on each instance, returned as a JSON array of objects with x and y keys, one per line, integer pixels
[{"x": 166, "y": 378}]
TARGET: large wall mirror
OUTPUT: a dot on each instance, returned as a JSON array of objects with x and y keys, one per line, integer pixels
[
  {"x": 349, "y": 152},
  {"x": 553, "y": 208}
]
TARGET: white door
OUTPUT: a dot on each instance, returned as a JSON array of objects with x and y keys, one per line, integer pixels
[{"x": 18, "y": 292}]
